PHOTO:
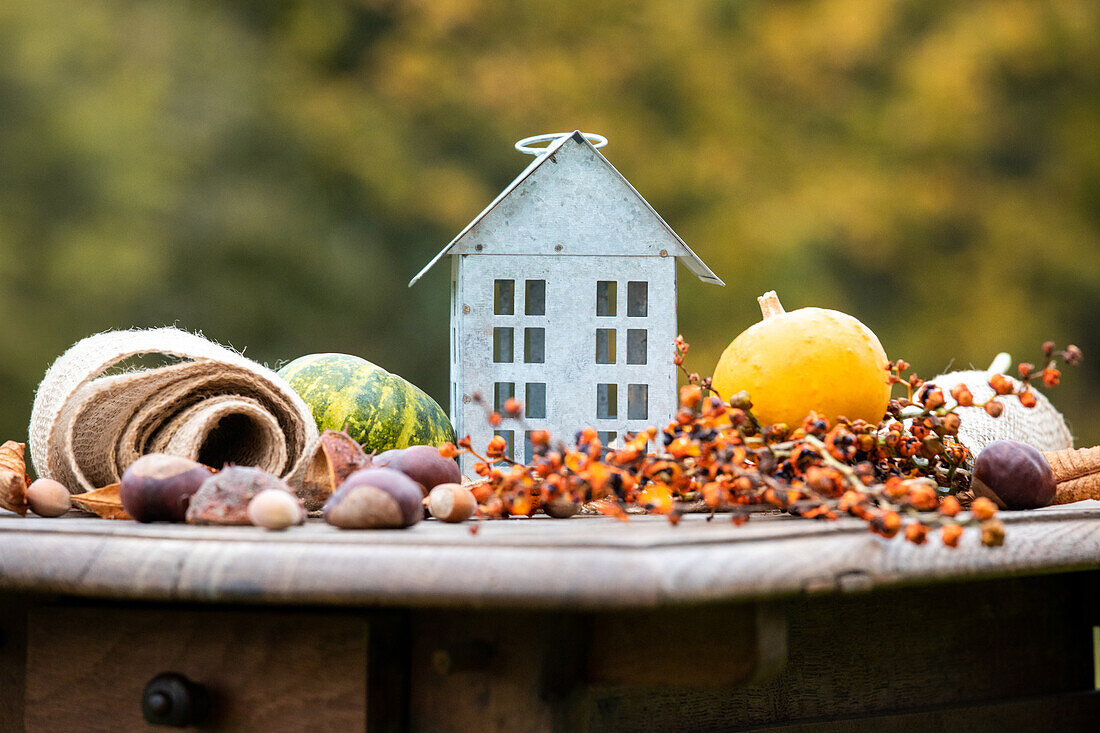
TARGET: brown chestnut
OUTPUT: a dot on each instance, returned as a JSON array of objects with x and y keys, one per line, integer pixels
[
  {"x": 421, "y": 463},
  {"x": 1013, "y": 475},
  {"x": 158, "y": 487},
  {"x": 376, "y": 498}
]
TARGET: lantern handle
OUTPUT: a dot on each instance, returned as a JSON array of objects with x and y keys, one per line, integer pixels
[{"x": 524, "y": 145}]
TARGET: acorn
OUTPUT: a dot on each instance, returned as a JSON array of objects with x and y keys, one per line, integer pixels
[{"x": 376, "y": 498}]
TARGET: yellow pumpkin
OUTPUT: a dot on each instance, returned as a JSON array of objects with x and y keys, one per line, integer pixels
[{"x": 811, "y": 359}]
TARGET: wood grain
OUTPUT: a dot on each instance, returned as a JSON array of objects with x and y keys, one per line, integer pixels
[
  {"x": 87, "y": 667},
  {"x": 580, "y": 563}
]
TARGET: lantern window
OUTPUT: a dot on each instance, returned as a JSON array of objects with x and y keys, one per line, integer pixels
[
  {"x": 607, "y": 401},
  {"x": 534, "y": 301},
  {"x": 534, "y": 345},
  {"x": 636, "y": 345},
  {"x": 605, "y": 298},
  {"x": 504, "y": 297},
  {"x": 503, "y": 346},
  {"x": 605, "y": 346},
  {"x": 535, "y": 404},
  {"x": 637, "y": 298},
  {"x": 637, "y": 402}
]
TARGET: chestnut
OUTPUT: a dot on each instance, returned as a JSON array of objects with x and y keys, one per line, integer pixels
[
  {"x": 48, "y": 498},
  {"x": 423, "y": 464},
  {"x": 224, "y": 497},
  {"x": 451, "y": 503},
  {"x": 1013, "y": 475},
  {"x": 158, "y": 487},
  {"x": 375, "y": 498}
]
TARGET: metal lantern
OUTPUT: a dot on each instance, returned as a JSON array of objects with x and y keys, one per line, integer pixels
[{"x": 563, "y": 295}]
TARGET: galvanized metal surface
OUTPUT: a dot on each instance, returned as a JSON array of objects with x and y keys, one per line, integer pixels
[
  {"x": 569, "y": 370},
  {"x": 567, "y": 223}
]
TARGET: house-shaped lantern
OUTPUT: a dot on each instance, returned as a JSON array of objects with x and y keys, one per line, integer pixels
[{"x": 563, "y": 295}]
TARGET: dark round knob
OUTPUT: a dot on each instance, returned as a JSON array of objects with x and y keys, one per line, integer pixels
[{"x": 172, "y": 699}]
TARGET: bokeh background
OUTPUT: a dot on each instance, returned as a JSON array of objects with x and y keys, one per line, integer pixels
[{"x": 273, "y": 172}]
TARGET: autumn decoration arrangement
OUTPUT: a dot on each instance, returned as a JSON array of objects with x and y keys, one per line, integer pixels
[{"x": 797, "y": 417}]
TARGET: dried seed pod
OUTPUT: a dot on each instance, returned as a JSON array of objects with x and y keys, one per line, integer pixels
[
  {"x": 275, "y": 509},
  {"x": 1013, "y": 475},
  {"x": 104, "y": 502},
  {"x": 48, "y": 498},
  {"x": 376, "y": 498},
  {"x": 451, "y": 502},
  {"x": 223, "y": 498},
  {"x": 423, "y": 464},
  {"x": 336, "y": 457},
  {"x": 158, "y": 487},
  {"x": 13, "y": 477}
]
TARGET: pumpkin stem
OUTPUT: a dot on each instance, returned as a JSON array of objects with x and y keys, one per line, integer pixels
[{"x": 770, "y": 305}]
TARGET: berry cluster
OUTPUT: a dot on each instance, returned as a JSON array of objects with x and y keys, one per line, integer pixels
[{"x": 907, "y": 475}]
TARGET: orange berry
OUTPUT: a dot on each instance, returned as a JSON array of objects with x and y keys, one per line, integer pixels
[
  {"x": 983, "y": 509},
  {"x": 494, "y": 419},
  {"x": 513, "y": 406},
  {"x": 1027, "y": 399},
  {"x": 950, "y": 534},
  {"x": 994, "y": 408},
  {"x": 448, "y": 450},
  {"x": 962, "y": 395},
  {"x": 993, "y": 533},
  {"x": 1051, "y": 377},
  {"x": 1001, "y": 384},
  {"x": 916, "y": 533},
  {"x": 950, "y": 506}
]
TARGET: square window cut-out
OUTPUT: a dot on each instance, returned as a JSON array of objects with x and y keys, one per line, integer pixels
[
  {"x": 528, "y": 447},
  {"x": 637, "y": 402},
  {"x": 607, "y": 437},
  {"x": 504, "y": 297},
  {"x": 534, "y": 300},
  {"x": 605, "y": 298},
  {"x": 607, "y": 401},
  {"x": 535, "y": 404},
  {"x": 637, "y": 298},
  {"x": 534, "y": 345},
  {"x": 636, "y": 346},
  {"x": 605, "y": 346},
  {"x": 510, "y": 437},
  {"x": 503, "y": 348},
  {"x": 502, "y": 392}
]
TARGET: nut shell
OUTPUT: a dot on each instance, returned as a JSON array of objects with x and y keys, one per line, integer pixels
[
  {"x": 158, "y": 487},
  {"x": 451, "y": 503},
  {"x": 223, "y": 498},
  {"x": 275, "y": 509},
  {"x": 423, "y": 464},
  {"x": 48, "y": 498},
  {"x": 375, "y": 498},
  {"x": 1014, "y": 475}
]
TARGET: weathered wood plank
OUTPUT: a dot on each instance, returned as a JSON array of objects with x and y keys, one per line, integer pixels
[
  {"x": 891, "y": 653},
  {"x": 87, "y": 667},
  {"x": 574, "y": 564}
]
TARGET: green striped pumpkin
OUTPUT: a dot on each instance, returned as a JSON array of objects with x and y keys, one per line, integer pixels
[{"x": 381, "y": 410}]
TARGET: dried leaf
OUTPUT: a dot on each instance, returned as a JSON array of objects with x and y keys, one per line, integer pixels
[
  {"x": 104, "y": 502},
  {"x": 336, "y": 457},
  {"x": 13, "y": 478}
]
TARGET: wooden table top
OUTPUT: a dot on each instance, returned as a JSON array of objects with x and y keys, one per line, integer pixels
[{"x": 587, "y": 563}]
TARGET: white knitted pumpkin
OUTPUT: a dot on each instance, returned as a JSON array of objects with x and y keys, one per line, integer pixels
[{"x": 1041, "y": 426}]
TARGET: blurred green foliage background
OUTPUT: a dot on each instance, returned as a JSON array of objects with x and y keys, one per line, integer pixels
[{"x": 273, "y": 172}]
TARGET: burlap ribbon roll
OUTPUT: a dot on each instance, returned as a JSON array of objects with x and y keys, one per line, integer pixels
[{"x": 210, "y": 405}]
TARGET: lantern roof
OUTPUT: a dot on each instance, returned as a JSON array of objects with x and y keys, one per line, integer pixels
[{"x": 678, "y": 247}]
